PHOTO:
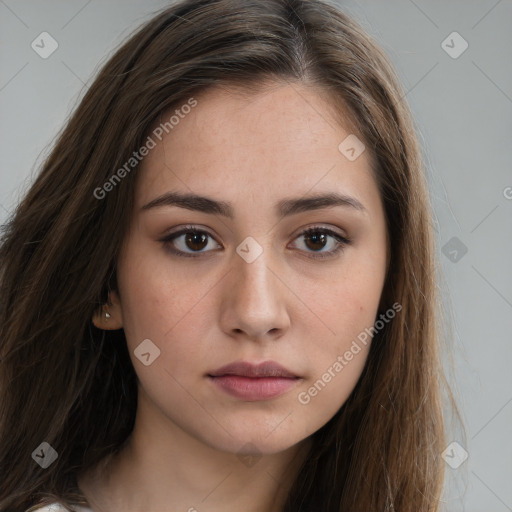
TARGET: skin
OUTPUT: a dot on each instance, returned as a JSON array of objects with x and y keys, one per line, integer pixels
[{"x": 202, "y": 313}]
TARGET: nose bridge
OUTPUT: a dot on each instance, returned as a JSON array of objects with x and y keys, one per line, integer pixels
[
  {"x": 254, "y": 277},
  {"x": 255, "y": 293}
]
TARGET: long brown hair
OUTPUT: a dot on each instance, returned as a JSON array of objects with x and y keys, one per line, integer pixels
[{"x": 71, "y": 385}]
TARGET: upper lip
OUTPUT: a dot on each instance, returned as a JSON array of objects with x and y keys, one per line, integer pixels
[{"x": 246, "y": 369}]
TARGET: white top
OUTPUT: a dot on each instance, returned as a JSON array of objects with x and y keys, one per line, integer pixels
[{"x": 56, "y": 507}]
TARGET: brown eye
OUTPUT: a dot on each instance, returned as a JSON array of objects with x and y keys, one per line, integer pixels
[
  {"x": 317, "y": 238},
  {"x": 193, "y": 242},
  {"x": 188, "y": 241},
  {"x": 196, "y": 241},
  {"x": 316, "y": 241}
]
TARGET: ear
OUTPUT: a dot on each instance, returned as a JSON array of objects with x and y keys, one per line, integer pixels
[{"x": 113, "y": 308}]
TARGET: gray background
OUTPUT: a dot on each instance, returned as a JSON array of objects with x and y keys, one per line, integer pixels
[{"x": 462, "y": 108}]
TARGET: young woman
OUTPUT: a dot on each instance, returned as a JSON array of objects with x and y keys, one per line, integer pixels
[{"x": 219, "y": 293}]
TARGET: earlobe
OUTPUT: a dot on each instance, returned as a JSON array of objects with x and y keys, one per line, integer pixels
[{"x": 108, "y": 317}]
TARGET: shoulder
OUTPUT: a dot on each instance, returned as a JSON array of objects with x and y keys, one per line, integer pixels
[{"x": 56, "y": 507}]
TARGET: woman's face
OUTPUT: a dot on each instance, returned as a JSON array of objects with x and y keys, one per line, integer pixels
[{"x": 250, "y": 287}]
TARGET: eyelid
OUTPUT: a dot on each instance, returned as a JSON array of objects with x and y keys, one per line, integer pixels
[{"x": 321, "y": 227}]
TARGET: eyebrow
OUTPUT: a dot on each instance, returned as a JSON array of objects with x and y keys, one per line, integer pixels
[{"x": 283, "y": 208}]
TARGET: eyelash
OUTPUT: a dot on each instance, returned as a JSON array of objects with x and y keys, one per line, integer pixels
[{"x": 342, "y": 241}]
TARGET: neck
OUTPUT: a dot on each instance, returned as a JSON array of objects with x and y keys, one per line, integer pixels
[{"x": 162, "y": 467}]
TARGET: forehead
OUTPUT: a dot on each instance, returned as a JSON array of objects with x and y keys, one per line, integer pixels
[{"x": 282, "y": 139}]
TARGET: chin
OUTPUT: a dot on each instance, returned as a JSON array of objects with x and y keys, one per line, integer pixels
[{"x": 253, "y": 441}]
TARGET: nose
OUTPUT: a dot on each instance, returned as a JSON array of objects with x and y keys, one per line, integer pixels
[{"x": 255, "y": 299}]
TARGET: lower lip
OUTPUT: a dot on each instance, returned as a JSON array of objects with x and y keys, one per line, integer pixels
[{"x": 252, "y": 388}]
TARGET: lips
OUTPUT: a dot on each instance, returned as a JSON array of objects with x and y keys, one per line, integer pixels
[
  {"x": 253, "y": 382},
  {"x": 245, "y": 369}
]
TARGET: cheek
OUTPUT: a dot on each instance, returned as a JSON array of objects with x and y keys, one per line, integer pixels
[
  {"x": 346, "y": 312},
  {"x": 337, "y": 359},
  {"x": 348, "y": 301},
  {"x": 166, "y": 307}
]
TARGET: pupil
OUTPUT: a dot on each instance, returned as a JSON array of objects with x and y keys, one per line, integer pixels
[
  {"x": 316, "y": 238},
  {"x": 196, "y": 238}
]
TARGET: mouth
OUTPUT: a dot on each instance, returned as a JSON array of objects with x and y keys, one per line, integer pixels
[{"x": 254, "y": 382}]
